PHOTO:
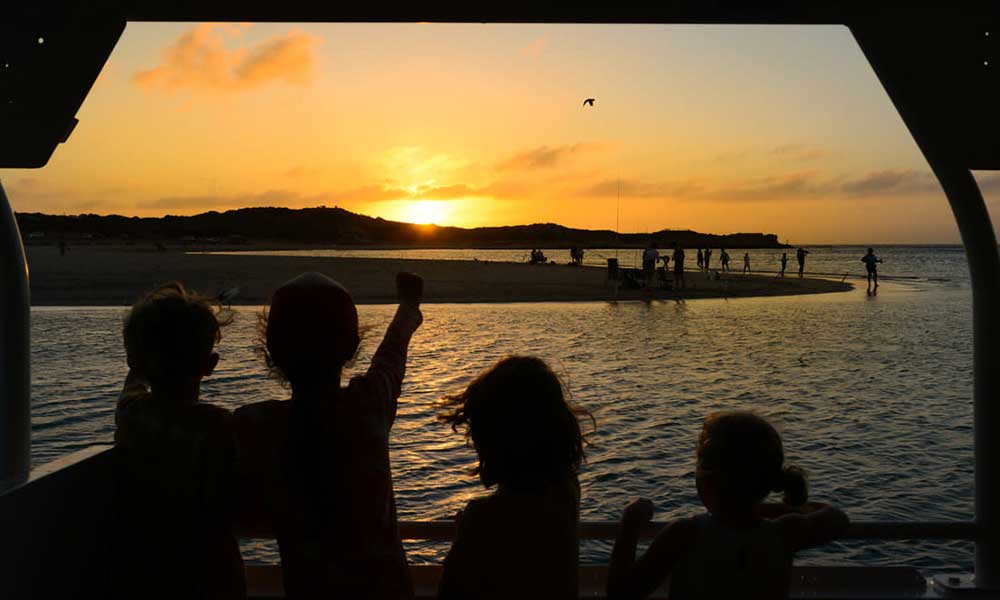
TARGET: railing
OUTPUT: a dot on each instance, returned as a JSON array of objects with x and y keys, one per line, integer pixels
[
  {"x": 67, "y": 503},
  {"x": 608, "y": 530}
]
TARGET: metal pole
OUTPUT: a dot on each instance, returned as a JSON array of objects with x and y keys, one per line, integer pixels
[
  {"x": 984, "y": 269},
  {"x": 15, "y": 352},
  {"x": 911, "y": 67}
]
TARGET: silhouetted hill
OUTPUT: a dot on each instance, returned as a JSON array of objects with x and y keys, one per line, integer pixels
[{"x": 330, "y": 226}]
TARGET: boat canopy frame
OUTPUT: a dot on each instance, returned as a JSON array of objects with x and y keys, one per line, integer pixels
[{"x": 938, "y": 64}]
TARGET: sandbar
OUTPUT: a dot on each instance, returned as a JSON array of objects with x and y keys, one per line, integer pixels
[{"x": 103, "y": 275}]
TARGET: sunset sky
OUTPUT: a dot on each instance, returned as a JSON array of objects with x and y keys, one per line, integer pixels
[{"x": 783, "y": 130}]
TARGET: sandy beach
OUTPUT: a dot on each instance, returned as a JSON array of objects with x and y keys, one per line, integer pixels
[{"x": 117, "y": 275}]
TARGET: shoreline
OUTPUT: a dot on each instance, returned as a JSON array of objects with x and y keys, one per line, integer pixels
[
  {"x": 118, "y": 275},
  {"x": 201, "y": 247}
]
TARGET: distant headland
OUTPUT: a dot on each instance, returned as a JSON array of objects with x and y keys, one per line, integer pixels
[{"x": 336, "y": 226}]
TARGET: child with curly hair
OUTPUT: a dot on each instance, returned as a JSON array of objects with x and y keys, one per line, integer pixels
[{"x": 521, "y": 541}]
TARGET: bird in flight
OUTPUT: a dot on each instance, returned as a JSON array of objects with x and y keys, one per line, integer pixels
[{"x": 589, "y": 101}]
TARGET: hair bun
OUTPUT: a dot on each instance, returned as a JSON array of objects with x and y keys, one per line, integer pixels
[{"x": 795, "y": 486}]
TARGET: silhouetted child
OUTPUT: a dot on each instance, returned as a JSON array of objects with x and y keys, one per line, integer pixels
[
  {"x": 724, "y": 259},
  {"x": 701, "y": 259},
  {"x": 316, "y": 467},
  {"x": 175, "y": 457},
  {"x": 784, "y": 263},
  {"x": 741, "y": 547},
  {"x": 746, "y": 263},
  {"x": 522, "y": 540}
]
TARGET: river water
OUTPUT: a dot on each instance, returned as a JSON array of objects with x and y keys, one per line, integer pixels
[{"x": 872, "y": 393}]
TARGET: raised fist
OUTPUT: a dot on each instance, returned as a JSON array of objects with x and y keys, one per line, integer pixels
[{"x": 409, "y": 287}]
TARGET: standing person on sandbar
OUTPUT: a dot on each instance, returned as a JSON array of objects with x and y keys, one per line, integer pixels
[
  {"x": 800, "y": 254},
  {"x": 746, "y": 263},
  {"x": 708, "y": 258},
  {"x": 649, "y": 257},
  {"x": 871, "y": 261},
  {"x": 679, "y": 267},
  {"x": 701, "y": 259}
]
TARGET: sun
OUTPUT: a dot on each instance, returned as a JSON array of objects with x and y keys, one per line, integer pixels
[{"x": 426, "y": 212}]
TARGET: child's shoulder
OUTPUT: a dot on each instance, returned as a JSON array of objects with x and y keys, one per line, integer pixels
[
  {"x": 685, "y": 529},
  {"x": 210, "y": 414},
  {"x": 207, "y": 420},
  {"x": 504, "y": 508},
  {"x": 262, "y": 425},
  {"x": 487, "y": 508},
  {"x": 493, "y": 510},
  {"x": 148, "y": 425},
  {"x": 261, "y": 411}
]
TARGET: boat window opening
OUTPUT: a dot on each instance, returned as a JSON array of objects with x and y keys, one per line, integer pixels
[{"x": 176, "y": 118}]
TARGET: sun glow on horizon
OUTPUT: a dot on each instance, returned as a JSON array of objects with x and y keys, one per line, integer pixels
[{"x": 425, "y": 212}]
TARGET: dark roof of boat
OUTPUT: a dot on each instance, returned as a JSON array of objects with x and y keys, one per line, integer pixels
[{"x": 938, "y": 64}]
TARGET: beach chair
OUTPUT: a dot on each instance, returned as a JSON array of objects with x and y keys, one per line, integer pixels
[
  {"x": 614, "y": 278},
  {"x": 614, "y": 272},
  {"x": 633, "y": 279}
]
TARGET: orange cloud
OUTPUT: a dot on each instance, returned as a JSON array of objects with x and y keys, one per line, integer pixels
[
  {"x": 545, "y": 156},
  {"x": 445, "y": 192},
  {"x": 276, "y": 197},
  {"x": 200, "y": 60},
  {"x": 279, "y": 197},
  {"x": 45, "y": 193},
  {"x": 773, "y": 187},
  {"x": 788, "y": 186},
  {"x": 610, "y": 188},
  {"x": 892, "y": 181},
  {"x": 785, "y": 152}
]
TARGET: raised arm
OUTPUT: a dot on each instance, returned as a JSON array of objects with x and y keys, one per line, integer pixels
[
  {"x": 388, "y": 366},
  {"x": 628, "y": 578},
  {"x": 813, "y": 524}
]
